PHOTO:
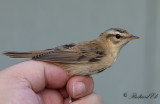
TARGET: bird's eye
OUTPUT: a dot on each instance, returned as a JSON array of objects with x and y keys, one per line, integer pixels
[{"x": 118, "y": 36}]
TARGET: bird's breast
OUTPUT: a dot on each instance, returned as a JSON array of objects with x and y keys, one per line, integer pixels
[{"x": 85, "y": 69}]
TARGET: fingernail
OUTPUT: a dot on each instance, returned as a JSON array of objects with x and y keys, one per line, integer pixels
[{"x": 78, "y": 89}]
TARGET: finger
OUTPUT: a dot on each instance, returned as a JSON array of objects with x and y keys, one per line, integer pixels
[
  {"x": 51, "y": 97},
  {"x": 90, "y": 99},
  {"x": 79, "y": 86},
  {"x": 39, "y": 75},
  {"x": 63, "y": 92}
]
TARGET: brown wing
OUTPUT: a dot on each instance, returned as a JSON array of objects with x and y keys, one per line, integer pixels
[{"x": 80, "y": 53}]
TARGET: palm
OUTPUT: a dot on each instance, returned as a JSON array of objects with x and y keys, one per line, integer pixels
[{"x": 28, "y": 96}]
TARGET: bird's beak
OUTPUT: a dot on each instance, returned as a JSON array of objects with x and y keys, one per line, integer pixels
[{"x": 132, "y": 37}]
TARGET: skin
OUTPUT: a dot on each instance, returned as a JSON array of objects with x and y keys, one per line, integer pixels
[{"x": 35, "y": 82}]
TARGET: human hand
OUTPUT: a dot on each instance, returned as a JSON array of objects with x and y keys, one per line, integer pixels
[{"x": 34, "y": 82}]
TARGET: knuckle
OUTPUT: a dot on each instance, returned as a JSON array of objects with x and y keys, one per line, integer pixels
[{"x": 97, "y": 98}]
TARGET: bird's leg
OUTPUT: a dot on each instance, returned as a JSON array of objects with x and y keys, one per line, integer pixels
[{"x": 70, "y": 99}]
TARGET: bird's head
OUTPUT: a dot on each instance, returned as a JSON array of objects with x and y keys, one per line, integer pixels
[{"x": 116, "y": 37}]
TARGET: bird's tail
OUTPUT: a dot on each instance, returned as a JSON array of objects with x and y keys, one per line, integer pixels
[{"x": 19, "y": 54}]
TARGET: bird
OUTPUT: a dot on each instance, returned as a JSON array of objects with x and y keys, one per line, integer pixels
[{"x": 84, "y": 58}]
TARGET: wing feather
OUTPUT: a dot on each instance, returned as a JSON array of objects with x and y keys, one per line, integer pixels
[{"x": 80, "y": 53}]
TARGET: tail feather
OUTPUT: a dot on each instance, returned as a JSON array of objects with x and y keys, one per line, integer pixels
[{"x": 19, "y": 54}]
